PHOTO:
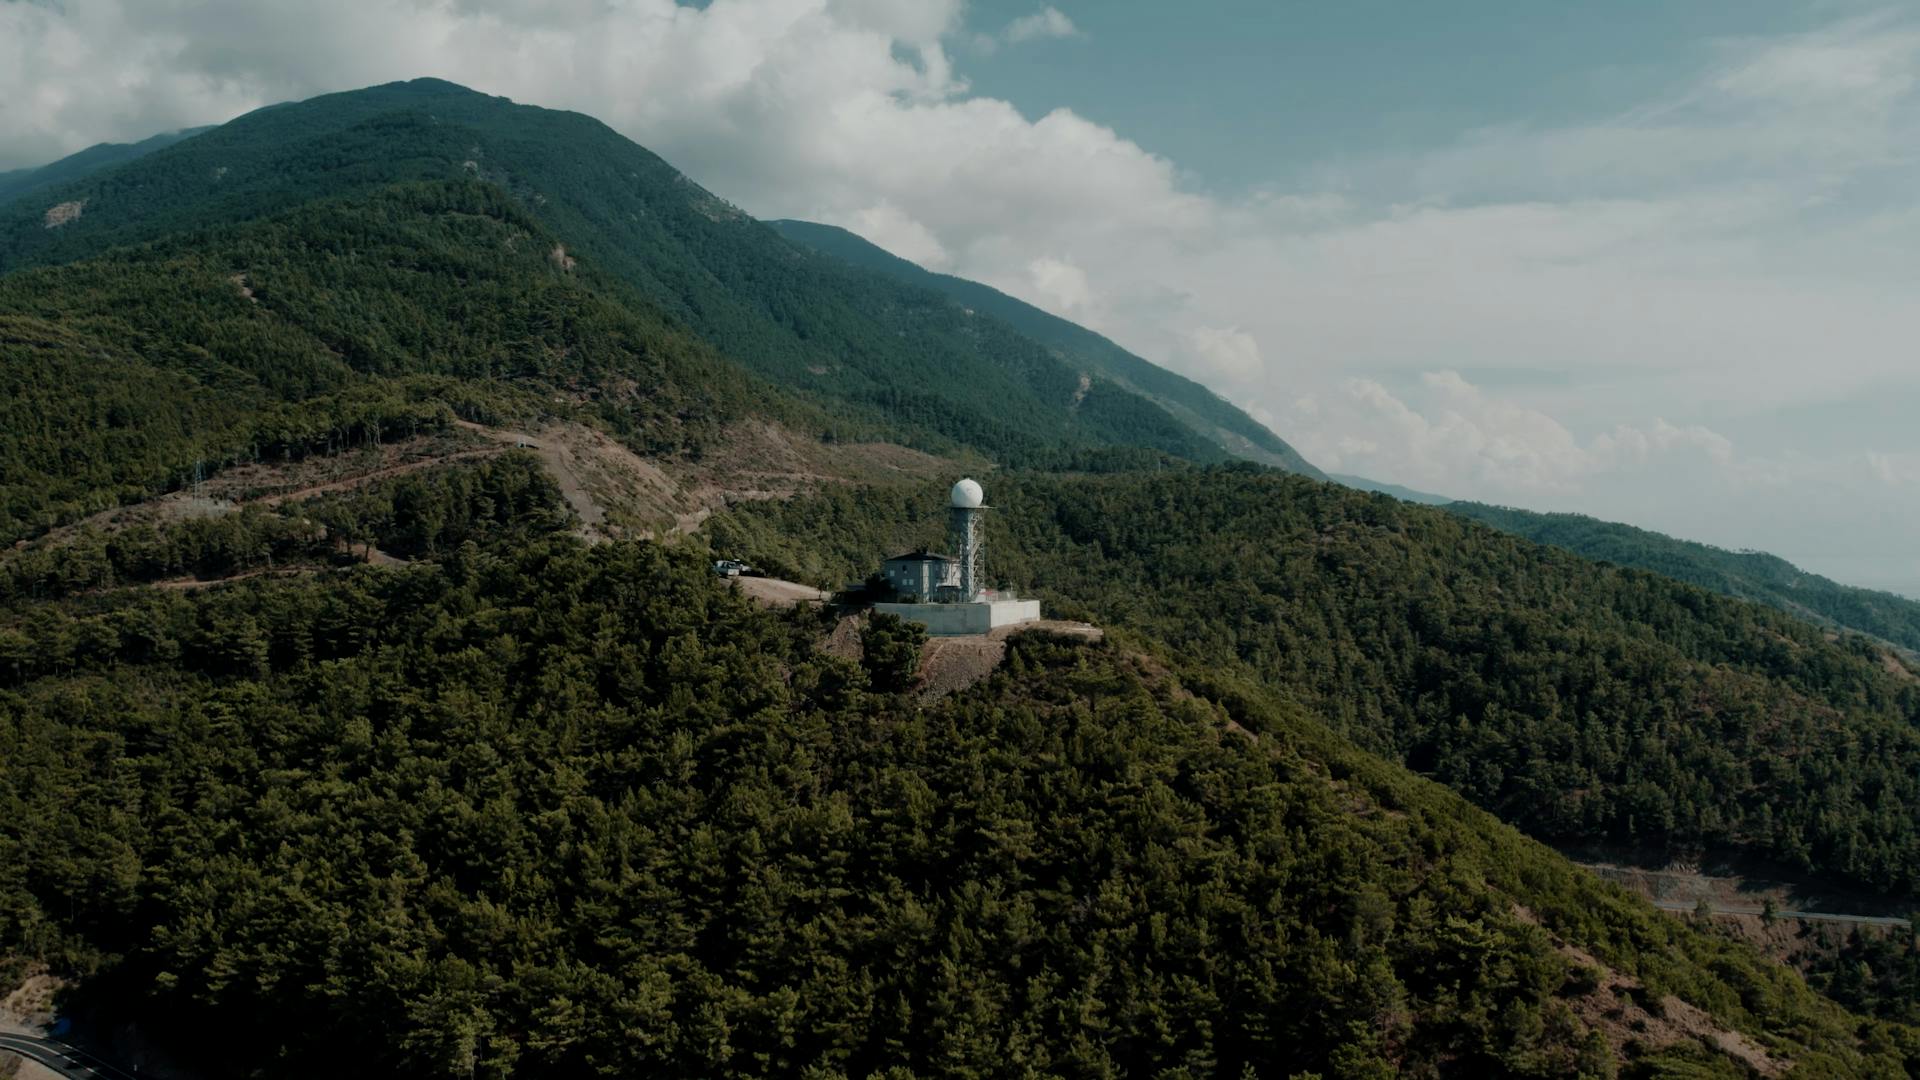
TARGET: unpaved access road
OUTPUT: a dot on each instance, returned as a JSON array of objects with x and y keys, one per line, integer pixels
[
  {"x": 774, "y": 592},
  {"x": 1809, "y": 916}
]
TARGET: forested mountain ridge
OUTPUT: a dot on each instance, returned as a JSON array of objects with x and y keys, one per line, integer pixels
[
  {"x": 532, "y": 808},
  {"x": 339, "y": 323},
  {"x": 1233, "y": 430},
  {"x": 893, "y": 353},
  {"x": 18, "y": 183},
  {"x": 1576, "y": 701},
  {"x": 516, "y": 805},
  {"x": 1398, "y": 491},
  {"x": 1750, "y": 575}
]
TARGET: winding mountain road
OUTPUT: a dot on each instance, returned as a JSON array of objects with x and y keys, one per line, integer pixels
[{"x": 69, "y": 1061}]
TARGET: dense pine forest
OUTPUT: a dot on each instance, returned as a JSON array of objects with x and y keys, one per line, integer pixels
[
  {"x": 1751, "y": 575},
  {"x": 897, "y": 355},
  {"x": 539, "y": 808},
  {"x": 339, "y": 324},
  {"x": 403, "y": 776},
  {"x": 1576, "y": 701}
]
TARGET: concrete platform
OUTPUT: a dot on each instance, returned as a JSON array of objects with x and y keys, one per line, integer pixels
[{"x": 955, "y": 620}]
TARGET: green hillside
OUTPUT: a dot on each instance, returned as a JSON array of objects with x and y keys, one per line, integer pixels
[
  {"x": 1749, "y": 575},
  {"x": 897, "y": 354},
  {"x": 1361, "y": 483},
  {"x": 509, "y": 804},
  {"x": 1215, "y": 419},
  {"x": 1574, "y": 700},
  {"x": 537, "y": 809},
  {"x": 340, "y": 323},
  {"x": 18, "y": 183}
]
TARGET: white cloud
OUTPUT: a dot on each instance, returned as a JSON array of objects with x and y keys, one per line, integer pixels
[
  {"x": 1227, "y": 355},
  {"x": 1861, "y": 63},
  {"x": 1459, "y": 439},
  {"x": 1059, "y": 285},
  {"x": 1894, "y": 470},
  {"x": 1627, "y": 301},
  {"x": 888, "y": 226},
  {"x": 922, "y": 22},
  {"x": 1048, "y": 22},
  {"x": 1638, "y": 446}
]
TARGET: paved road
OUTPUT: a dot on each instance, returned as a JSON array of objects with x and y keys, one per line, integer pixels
[
  {"x": 1815, "y": 916},
  {"x": 68, "y": 1061}
]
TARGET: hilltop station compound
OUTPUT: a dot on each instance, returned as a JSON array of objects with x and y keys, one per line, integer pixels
[{"x": 945, "y": 593}]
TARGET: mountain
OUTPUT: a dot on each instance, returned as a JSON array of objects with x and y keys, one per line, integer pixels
[
  {"x": 532, "y": 808},
  {"x": 889, "y": 353},
  {"x": 342, "y": 717},
  {"x": 1216, "y": 420},
  {"x": 265, "y": 343},
  {"x": 1409, "y": 494},
  {"x": 1579, "y": 702},
  {"x": 18, "y": 183},
  {"x": 1749, "y": 575}
]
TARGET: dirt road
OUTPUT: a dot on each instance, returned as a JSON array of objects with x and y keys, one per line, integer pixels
[
  {"x": 774, "y": 592},
  {"x": 363, "y": 479},
  {"x": 1804, "y": 916},
  {"x": 1682, "y": 886}
]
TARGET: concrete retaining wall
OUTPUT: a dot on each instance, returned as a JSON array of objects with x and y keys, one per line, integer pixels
[{"x": 955, "y": 620}]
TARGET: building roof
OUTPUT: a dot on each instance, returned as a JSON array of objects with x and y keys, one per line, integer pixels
[{"x": 920, "y": 556}]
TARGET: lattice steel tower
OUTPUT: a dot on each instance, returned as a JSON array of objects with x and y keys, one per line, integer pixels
[{"x": 968, "y": 538}]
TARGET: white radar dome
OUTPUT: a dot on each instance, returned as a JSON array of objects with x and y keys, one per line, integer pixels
[{"x": 967, "y": 495}]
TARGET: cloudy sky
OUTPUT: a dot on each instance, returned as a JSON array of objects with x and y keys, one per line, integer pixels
[{"x": 1651, "y": 261}]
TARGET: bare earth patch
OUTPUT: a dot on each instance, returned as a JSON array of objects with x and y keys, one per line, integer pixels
[
  {"x": 1896, "y": 668},
  {"x": 29, "y": 1006},
  {"x": 1625, "y": 1013},
  {"x": 61, "y": 213},
  {"x": 272, "y": 484},
  {"x": 774, "y": 592},
  {"x": 1080, "y": 392},
  {"x": 761, "y": 460},
  {"x": 949, "y": 665},
  {"x": 612, "y": 490},
  {"x": 843, "y": 640},
  {"x": 617, "y": 493},
  {"x": 27, "y": 1010}
]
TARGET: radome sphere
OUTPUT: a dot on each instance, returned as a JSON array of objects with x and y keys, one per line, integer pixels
[{"x": 967, "y": 495}]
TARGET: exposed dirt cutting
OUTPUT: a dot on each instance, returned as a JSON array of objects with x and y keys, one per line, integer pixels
[
  {"x": 949, "y": 665},
  {"x": 1625, "y": 1012}
]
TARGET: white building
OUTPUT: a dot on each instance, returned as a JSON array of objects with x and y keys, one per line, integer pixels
[{"x": 946, "y": 594}]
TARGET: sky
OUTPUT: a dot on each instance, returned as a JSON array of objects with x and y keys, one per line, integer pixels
[{"x": 1651, "y": 261}]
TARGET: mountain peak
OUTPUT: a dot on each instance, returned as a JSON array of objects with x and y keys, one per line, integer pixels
[
  {"x": 1211, "y": 417},
  {"x": 889, "y": 353}
]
